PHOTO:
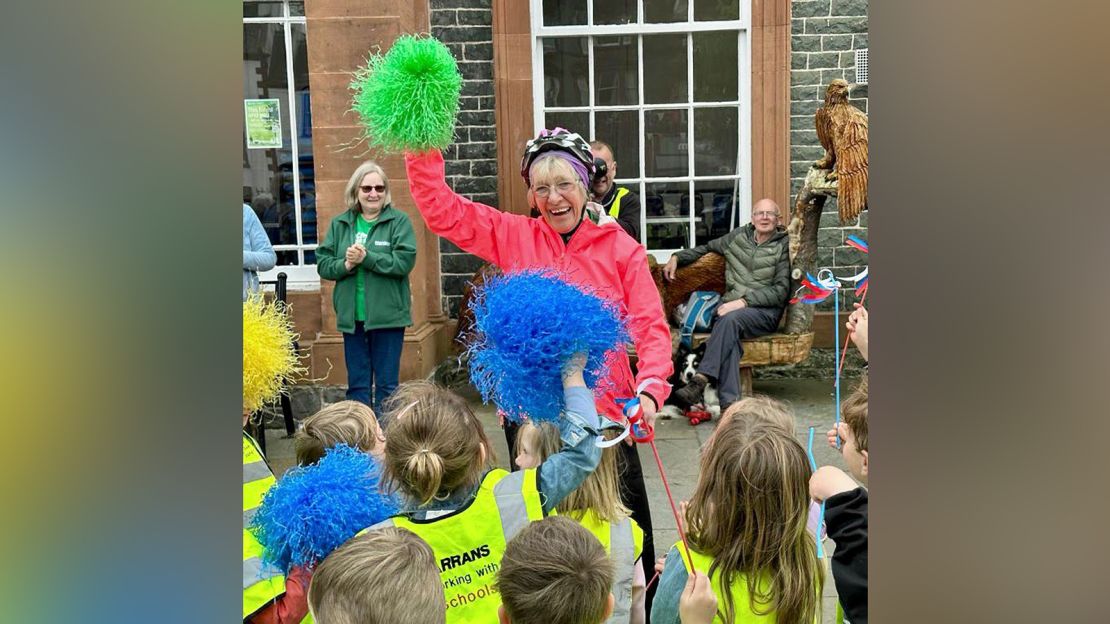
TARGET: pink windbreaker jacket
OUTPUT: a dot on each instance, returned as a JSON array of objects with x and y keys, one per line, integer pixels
[{"x": 603, "y": 258}]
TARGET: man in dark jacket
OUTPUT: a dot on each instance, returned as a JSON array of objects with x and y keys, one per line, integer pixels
[
  {"x": 757, "y": 283},
  {"x": 621, "y": 203}
]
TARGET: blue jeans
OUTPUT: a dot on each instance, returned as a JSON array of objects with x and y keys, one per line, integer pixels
[{"x": 373, "y": 360}]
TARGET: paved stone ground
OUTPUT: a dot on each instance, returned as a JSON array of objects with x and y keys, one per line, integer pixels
[{"x": 679, "y": 445}]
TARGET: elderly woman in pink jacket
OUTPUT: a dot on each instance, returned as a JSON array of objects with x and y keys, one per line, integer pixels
[{"x": 587, "y": 247}]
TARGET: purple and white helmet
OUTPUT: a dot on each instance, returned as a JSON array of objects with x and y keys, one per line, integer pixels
[{"x": 561, "y": 140}]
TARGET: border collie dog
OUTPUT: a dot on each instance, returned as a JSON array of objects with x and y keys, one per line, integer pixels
[{"x": 685, "y": 365}]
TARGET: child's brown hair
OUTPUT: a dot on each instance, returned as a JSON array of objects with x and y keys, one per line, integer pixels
[
  {"x": 555, "y": 572},
  {"x": 387, "y": 576},
  {"x": 346, "y": 422},
  {"x": 763, "y": 408},
  {"x": 854, "y": 411},
  {"x": 434, "y": 444},
  {"x": 749, "y": 512},
  {"x": 600, "y": 491}
]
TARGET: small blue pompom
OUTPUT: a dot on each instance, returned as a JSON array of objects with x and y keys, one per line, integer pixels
[
  {"x": 313, "y": 509},
  {"x": 527, "y": 325}
]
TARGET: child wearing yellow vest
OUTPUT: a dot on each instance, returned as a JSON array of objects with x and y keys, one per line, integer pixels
[
  {"x": 746, "y": 526},
  {"x": 438, "y": 458},
  {"x": 596, "y": 505}
]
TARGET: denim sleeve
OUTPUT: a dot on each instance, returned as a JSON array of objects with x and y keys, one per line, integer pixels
[
  {"x": 260, "y": 256},
  {"x": 564, "y": 471},
  {"x": 664, "y": 608}
]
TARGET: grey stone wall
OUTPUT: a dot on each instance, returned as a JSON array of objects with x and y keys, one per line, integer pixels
[
  {"x": 465, "y": 26},
  {"x": 824, "y": 37}
]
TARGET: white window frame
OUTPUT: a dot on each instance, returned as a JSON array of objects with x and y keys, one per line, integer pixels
[
  {"x": 743, "y": 194},
  {"x": 300, "y": 276}
]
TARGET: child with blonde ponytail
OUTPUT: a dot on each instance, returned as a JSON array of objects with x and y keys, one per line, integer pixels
[
  {"x": 746, "y": 526},
  {"x": 439, "y": 460}
]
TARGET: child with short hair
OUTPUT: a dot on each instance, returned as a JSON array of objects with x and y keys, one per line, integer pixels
[
  {"x": 346, "y": 422},
  {"x": 379, "y": 577},
  {"x": 438, "y": 458},
  {"x": 846, "y": 505},
  {"x": 597, "y": 506},
  {"x": 555, "y": 572},
  {"x": 746, "y": 527}
]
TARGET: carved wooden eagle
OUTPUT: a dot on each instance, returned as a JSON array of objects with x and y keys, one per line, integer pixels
[{"x": 842, "y": 130}]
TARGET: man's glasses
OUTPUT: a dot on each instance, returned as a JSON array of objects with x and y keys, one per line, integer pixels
[
  {"x": 563, "y": 187},
  {"x": 377, "y": 188},
  {"x": 765, "y": 214}
]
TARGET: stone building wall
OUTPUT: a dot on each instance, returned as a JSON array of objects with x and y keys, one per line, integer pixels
[
  {"x": 466, "y": 27},
  {"x": 824, "y": 37}
]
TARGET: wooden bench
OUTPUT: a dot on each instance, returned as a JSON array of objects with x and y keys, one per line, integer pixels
[{"x": 770, "y": 350}]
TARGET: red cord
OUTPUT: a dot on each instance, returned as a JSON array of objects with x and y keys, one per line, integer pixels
[{"x": 674, "y": 508}]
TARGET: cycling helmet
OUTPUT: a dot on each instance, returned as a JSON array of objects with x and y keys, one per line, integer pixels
[{"x": 561, "y": 140}]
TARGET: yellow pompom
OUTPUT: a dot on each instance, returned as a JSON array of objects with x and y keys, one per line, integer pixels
[{"x": 269, "y": 361}]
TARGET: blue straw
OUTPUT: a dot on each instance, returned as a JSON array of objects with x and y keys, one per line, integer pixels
[
  {"x": 836, "y": 344},
  {"x": 820, "y": 514}
]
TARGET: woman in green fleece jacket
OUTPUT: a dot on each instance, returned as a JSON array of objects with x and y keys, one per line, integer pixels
[{"x": 369, "y": 251}]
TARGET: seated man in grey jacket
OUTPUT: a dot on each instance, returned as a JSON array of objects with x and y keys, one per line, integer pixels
[{"x": 757, "y": 284}]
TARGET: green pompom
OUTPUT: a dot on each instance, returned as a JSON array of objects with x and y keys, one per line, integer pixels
[{"x": 408, "y": 98}]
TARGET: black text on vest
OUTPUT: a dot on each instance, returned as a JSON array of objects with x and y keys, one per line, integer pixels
[{"x": 473, "y": 554}]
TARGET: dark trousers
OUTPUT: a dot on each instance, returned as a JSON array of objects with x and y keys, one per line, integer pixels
[
  {"x": 633, "y": 495},
  {"x": 723, "y": 349},
  {"x": 373, "y": 360}
]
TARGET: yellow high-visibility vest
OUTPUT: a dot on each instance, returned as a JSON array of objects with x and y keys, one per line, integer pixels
[
  {"x": 624, "y": 541},
  {"x": 469, "y": 542},
  {"x": 261, "y": 584},
  {"x": 615, "y": 209},
  {"x": 739, "y": 590}
]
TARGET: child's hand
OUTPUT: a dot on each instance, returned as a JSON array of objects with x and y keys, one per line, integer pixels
[
  {"x": 840, "y": 428},
  {"x": 698, "y": 603},
  {"x": 659, "y": 564},
  {"x": 573, "y": 369},
  {"x": 829, "y": 481},
  {"x": 857, "y": 325}
]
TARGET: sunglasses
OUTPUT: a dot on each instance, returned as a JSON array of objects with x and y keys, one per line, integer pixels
[{"x": 377, "y": 188}]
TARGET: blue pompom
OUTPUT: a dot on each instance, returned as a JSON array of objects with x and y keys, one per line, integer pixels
[
  {"x": 527, "y": 326},
  {"x": 312, "y": 510}
]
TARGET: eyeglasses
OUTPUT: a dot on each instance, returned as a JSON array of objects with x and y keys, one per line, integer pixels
[
  {"x": 377, "y": 188},
  {"x": 765, "y": 214},
  {"x": 563, "y": 187}
]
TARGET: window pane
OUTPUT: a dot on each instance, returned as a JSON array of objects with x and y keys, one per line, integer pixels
[
  {"x": 261, "y": 9},
  {"x": 267, "y": 173},
  {"x": 575, "y": 122},
  {"x": 564, "y": 12},
  {"x": 621, "y": 130},
  {"x": 565, "y": 70},
  {"x": 665, "y": 145},
  {"x": 715, "y": 57},
  {"x": 709, "y": 10},
  {"x": 304, "y": 135},
  {"x": 614, "y": 11},
  {"x": 667, "y": 210},
  {"x": 296, "y": 9},
  {"x": 665, "y": 63},
  {"x": 716, "y": 140},
  {"x": 615, "y": 71},
  {"x": 657, "y": 11},
  {"x": 713, "y": 208}
]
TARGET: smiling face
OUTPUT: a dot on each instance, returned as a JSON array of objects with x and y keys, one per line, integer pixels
[
  {"x": 765, "y": 217},
  {"x": 557, "y": 192},
  {"x": 371, "y": 194}
]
